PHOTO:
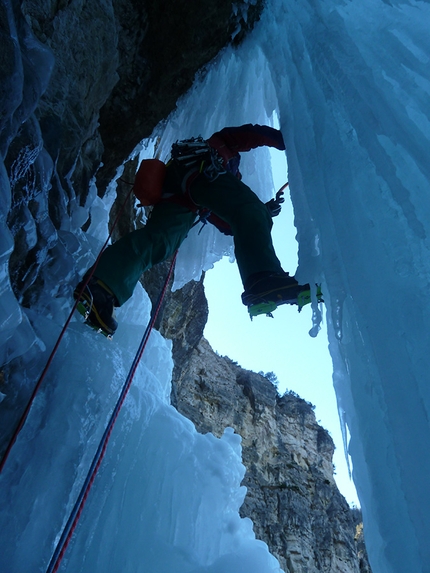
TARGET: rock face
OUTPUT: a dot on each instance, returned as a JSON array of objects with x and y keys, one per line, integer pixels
[
  {"x": 120, "y": 67},
  {"x": 292, "y": 497}
]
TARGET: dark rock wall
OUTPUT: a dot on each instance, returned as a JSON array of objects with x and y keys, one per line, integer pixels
[{"x": 118, "y": 68}]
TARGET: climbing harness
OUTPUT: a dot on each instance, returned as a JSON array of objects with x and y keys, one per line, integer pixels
[
  {"x": 76, "y": 512},
  {"x": 188, "y": 152}
]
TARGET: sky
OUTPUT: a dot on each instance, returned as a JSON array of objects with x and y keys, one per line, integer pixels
[{"x": 281, "y": 345}]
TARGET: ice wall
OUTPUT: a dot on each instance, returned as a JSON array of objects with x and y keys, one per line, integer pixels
[
  {"x": 166, "y": 497},
  {"x": 353, "y": 87},
  {"x": 350, "y": 84}
]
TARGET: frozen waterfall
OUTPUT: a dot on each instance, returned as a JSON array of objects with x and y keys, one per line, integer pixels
[{"x": 350, "y": 85}]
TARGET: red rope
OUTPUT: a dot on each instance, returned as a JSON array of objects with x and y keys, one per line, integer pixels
[
  {"x": 101, "y": 450},
  {"x": 60, "y": 337}
]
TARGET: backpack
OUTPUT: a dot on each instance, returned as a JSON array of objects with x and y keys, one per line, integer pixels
[{"x": 149, "y": 180}]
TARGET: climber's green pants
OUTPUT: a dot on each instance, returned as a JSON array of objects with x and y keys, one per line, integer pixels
[{"x": 123, "y": 263}]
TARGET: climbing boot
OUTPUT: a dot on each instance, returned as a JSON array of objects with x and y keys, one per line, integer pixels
[
  {"x": 96, "y": 304},
  {"x": 264, "y": 292}
]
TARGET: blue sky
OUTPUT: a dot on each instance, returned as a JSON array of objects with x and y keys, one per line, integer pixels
[{"x": 282, "y": 344}]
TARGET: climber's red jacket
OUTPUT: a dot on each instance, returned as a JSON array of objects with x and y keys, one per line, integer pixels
[{"x": 231, "y": 141}]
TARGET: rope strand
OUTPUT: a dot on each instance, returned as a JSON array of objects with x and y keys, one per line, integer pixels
[{"x": 101, "y": 450}]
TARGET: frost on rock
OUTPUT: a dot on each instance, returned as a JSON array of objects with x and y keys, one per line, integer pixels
[{"x": 21, "y": 91}]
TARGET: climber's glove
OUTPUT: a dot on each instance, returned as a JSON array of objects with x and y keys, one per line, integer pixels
[{"x": 274, "y": 205}]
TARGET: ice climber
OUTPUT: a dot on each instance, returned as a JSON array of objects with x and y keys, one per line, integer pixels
[{"x": 201, "y": 179}]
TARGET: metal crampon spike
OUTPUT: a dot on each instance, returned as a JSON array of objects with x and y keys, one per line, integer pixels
[{"x": 262, "y": 308}]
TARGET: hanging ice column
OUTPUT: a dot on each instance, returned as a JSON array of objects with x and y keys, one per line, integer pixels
[{"x": 353, "y": 86}]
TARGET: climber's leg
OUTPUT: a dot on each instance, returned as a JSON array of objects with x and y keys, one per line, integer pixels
[
  {"x": 123, "y": 263},
  {"x": 248, "y": 218}
]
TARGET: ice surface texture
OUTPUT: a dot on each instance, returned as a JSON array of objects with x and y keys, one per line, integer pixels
[
  {"x": 349, "y": 83},
  {"x": 352, "y": 82}
]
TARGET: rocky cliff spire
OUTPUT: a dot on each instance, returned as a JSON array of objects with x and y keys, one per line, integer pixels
[{"x": 292, "y": 497}]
